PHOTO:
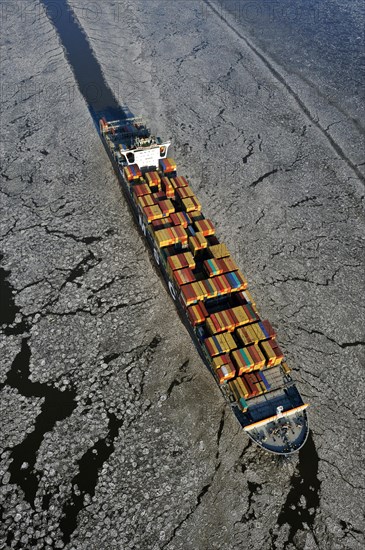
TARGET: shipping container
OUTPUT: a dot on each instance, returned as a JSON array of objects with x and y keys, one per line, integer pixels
[
  {"x": 132, "y": 172},
  {"x": 226, "y": 372},
  {"x": 198, "y": 242},
  {"x": 286, "y": 368},
  {"x": 179, "y": 181},
  {"x": 145, "y": 200},
  {"x": 243, "y": 360},
  {"x": 178, "y": 261},
  {"x": 268, "y": 328},
  {"x": 197, "y": 313},
  {"x": 167, "y": 207},
  {"x": 141, "y": 189},
  {"x": 184, "y": 276},
  {"x": 153, "y": 179},
  {"x": 181, "y": 218},
  {"x": 152, "y": 212},
  {"x": 205, "y": 227},
  {"x": 167, "y": 165},
  {"x": 257, "y": 355},
  {"x": 184, "y": 192},
  {"x": 167, "y": 187},
  {"x": 268, "y": 352},
  {"x": 219, "y": 251},
  {"x": 190, "y": 204}
]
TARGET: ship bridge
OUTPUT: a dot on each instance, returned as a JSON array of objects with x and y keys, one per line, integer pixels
[{"x": 131, "y": 142}]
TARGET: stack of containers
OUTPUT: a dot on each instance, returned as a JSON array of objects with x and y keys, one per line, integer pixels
[
  {"x": 179, "y": 234},
  {"x": 279, "y": 354},
  {"x": 205, "y": 227},
  {"x": 221, "y": 322},
  {"x": 190, "y": 204},
  {"x": 225, "y": 372},
  {"x": 220, "y": 343},
  {"x": 217, "y": 267},
  {"x": 219, "y": 251},
  {"x": 243, "y": 361},
  {"x": 252, "y": 334},
  {"x": 212, "y": 267},
  {"x": 211, "y": 290},
  {"x": 132, "y": 172},
  {"x": 220, "y": 360},
  {"x": 167, "y": 207},
  {"x": 257, "y": 356},
  {"x": 244, "y": 314},
  {"x": 141, "y": 189},
  {"x": 154, "y": 181},
  {"x": 152, "y": 212},
  {"x": 181, "y": 218},
  {"x": 192, "y": 293},
  {"x": 167, "y": 165},
  {"x": 240, "y": 390},
  {"x": 184, "y": 276},
  {"x": 251, "y": 382},
  {"x": 167, "y": 187},
  {"x": 161, "y": 223},
  {"x": 236, "y": 280},
  {"x": 269, "y": 353},
  {"x": 197, "y": 313},
  {"x": 184, "y": 192},
  {"x": 198, "y": 242},
  {"x": 145, "y": 200},
  {"x": 178, "y": 261},
  {"x": 179, "y": 181},
  {"x": 164, "y": 237}
]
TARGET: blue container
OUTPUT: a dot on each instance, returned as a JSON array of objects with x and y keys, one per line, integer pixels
[{"x": 264, "y": 379}]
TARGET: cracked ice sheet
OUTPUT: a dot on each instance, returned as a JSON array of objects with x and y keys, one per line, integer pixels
[{"x": 290, "y": 209}]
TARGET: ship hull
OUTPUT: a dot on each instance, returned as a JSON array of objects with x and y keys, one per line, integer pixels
[{"x": 255, "y": 434}]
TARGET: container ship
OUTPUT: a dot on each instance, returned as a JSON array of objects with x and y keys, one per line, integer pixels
[{"x": 238, "y": 347}]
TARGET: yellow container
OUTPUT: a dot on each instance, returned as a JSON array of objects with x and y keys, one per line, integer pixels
[
  {"x": 190, "y": 204},
  {"x": 163, "y": 238},
  {"x": 230, "y": 340},
  {"x": 240, "y": 315},
  {"x": 286, "y": 367},
  {"x": 152, "y": 213},
  {"x": 219, "y": 250},
  {"x": 145, "y": 200}
]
